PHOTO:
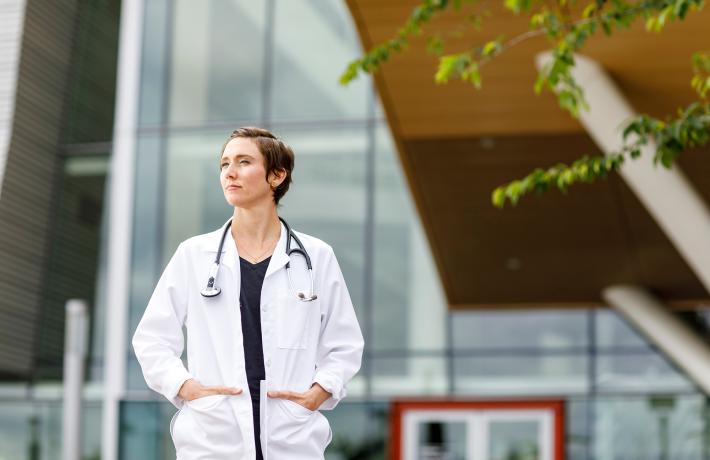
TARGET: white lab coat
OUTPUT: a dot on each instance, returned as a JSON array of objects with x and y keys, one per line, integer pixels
[{"x": 303, "y": 343}]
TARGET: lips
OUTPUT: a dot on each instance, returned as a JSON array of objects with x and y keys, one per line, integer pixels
[{"x": 233, "y": 187}]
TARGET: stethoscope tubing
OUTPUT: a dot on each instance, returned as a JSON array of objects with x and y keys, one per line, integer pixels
[{"x": 211, "y": 290}]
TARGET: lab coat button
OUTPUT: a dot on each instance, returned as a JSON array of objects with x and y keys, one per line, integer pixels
[{"x": 268, "y": 362}]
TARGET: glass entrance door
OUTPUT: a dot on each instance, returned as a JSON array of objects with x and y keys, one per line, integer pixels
[{"x": 463, "y": 431}]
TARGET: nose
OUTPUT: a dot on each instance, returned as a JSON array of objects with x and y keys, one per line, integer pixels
[{"x": 230, "y": 172}]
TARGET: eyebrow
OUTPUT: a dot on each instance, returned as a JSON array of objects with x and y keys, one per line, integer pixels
[{"x": 241, "y": 155}]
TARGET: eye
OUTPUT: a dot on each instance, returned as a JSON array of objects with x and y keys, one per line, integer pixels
[
  {"x": 223, "y": 165},
  {"x": 246, "y": 162}
]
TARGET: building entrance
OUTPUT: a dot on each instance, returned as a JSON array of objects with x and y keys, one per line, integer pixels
[{"x": 477, "y": 430}]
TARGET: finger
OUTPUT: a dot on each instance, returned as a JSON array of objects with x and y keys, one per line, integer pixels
[
  {"x": 223, "y": 390},
  {"x": 292, "y": 395}
]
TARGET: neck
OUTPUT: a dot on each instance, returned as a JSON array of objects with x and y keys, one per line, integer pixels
[{"x": 256, "y": 225}]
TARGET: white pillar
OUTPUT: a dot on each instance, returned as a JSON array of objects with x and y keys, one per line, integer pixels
[
  {"x": 664, "y": 329},
  {"x": 667, "y": 194},
  {"x": 12, "y": 19},
  {"x": 120, "y": 221},
  {"x": 75, "y": 345}
]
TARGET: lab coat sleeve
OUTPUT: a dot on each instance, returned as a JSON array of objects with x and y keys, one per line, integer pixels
[
  {"x": 158, "y": 341},
  {"x": 340, "y": 343}
]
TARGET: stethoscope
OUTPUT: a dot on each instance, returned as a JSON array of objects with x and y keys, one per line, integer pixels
[{"x": 211, "y": 290}]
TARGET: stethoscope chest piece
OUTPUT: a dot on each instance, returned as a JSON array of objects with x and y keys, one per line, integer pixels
[{"x": 211, "y": 290}]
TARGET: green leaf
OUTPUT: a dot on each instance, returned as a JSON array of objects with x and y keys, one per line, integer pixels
[
  {"x": 490, "y": 48},
  {"x": 473, "y": 75},
  {"x": 447, "y": 65},
  {"x": 513, "y": 5},
  {"x": 498, "y": 197},
  {"x": 589, "y": 10},
  {"x": 435, "y": 45}
]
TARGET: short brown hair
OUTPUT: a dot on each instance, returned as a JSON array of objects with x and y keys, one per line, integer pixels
[{"x": 277, "y": 155}]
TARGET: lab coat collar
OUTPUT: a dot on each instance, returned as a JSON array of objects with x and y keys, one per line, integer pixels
[{"x": 230, "y": 253}]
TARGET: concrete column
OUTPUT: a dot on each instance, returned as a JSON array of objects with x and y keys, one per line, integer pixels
[
  {"x": 680, "y": 343},
  {"x": 75, "y": 346}
]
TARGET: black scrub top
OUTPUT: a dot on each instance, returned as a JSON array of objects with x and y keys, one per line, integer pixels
[{"x": 252, "y": 278}]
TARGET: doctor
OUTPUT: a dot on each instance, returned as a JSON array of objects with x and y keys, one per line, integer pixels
[{"x": 266, "y": 353}]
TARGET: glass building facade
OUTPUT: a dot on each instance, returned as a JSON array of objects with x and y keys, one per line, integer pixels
[
  {"x": 213, "y": 66},
  {"x": 210, "y": 67}
]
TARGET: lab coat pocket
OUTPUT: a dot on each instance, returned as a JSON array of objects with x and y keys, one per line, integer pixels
[
  {"x": 296, "y": 410},
  {"x": 172, "y": 424},
  {"x": 292, "y": 322},
  {"x": 216, "y": 428},
  {"x": 206, "y": 402}
]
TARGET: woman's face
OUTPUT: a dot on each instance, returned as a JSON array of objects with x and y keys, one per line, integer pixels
[{"x": 243, "y": 174}]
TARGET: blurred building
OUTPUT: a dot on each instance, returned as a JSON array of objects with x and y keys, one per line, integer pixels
[{"x": 486, "y": 333}]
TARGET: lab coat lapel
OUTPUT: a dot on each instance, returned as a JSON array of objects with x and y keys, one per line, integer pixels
[{"x": 279, "y": 257}]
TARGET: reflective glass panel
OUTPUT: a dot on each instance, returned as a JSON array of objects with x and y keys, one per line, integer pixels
[
  {"x": 32, "y": 430},
  {"x": 409, "y": 376},
  {"x": 153, "y": 62},
  {"x": 514, "y": 439},
  {"x": 145, "y": 430},
  {"x": 217, "y": 61},
  {"x": 639, "y": 372},
  {"x": 612, "y": 330},
  {"x": 410, "y": 308},
  {"x": 314, "y": 40},
  {"x": 521, "y": 375},
  {"x": 359, "y": 430},
  {"x": 442, "y": 440},
  {"x": 666, "y": 428},
  {"x": 525, "y": 329}
]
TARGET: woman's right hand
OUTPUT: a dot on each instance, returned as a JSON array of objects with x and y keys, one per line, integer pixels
[{"x": 192, "y": 389}]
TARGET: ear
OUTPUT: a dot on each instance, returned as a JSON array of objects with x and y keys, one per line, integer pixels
[{"x": 277, "y": 177}]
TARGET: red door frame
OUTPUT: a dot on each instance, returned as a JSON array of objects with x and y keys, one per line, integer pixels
[{"x": 399, "y": 407}]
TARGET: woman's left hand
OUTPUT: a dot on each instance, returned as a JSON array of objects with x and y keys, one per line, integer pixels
[{"x": 311, "y": 399}]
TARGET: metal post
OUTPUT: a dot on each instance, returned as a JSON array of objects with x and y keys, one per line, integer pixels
[{"x": 75, "y": 345}]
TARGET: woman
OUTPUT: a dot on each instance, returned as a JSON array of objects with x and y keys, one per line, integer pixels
[{"x": 264, "y": 352}]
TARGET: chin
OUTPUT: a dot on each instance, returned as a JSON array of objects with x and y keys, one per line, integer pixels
[{"x": 233, "y": 200}]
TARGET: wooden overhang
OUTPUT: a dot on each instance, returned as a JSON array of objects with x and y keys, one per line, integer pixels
[{"x": 457, "y": 144}]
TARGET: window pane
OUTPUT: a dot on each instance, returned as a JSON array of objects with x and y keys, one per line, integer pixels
[
  {"x": 146, "y": 263},
  {"x": 217, "y": 61},
  {"x": 72, "y": 263},
  {"x": 663, "y": 428},
  {"x": 514, "y": 439},
  {"x": 91, "y": 79},
  {"x": 31, "y": 430},
  {"x": 613, "y": 331},
  {"x": 194, "y": 202},
  {"x": 442, "y": 440},
  {"x": 153, "y": 62},
  {"x": 314, "y": 40},
  {"x": 524, "y": 375},
  {"x": 639, "y": 372},
  {"x": 553, "y": 329},
  {"x": 403, "y": 376},
  {"x": 145, "y": 430},
  {"x": 577, "y": 417},
  {"x": 358, "y": 428},
  {"x": 409, "y": 310}
]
